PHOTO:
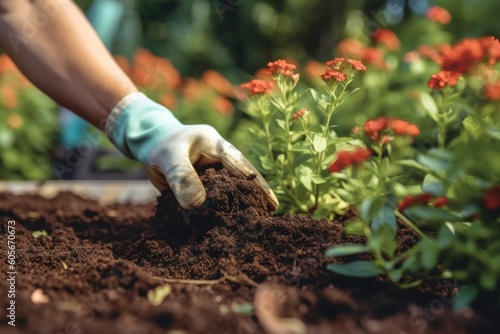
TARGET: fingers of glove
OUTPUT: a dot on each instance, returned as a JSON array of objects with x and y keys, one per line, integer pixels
[
  {"x": 238, "y": 165},
  {"x": 185, "y": 183},
  {"x": 157, "y": 178}
]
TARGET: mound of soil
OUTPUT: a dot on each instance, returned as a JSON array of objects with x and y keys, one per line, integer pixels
[{"x": 233, "y": 267}]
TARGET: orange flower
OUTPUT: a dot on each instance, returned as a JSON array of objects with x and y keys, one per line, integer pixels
[
  {"x": 375, "y": 57},
  {"x": 348, "y": 158},
  {"x": 8, "y": 96},
  {"x": 223, "y": 105},
  {"x": 333, "y": 75},
  {"x": 6, "y": 64},
  {"x": 335, "y": 63},
  {"x": 438, "y": 14},
  {"x": 443, "y": 79},
  {"x": 313, "y": 70},
  {"x": 401, "y": 127},
  {"x": 151, "y": 71},
  {"x": 492, "y": 198},
  {"x": 462, "y": 56},
  {"x": 357, "y": 64},
  {"x": 302, "y": 113},
  {"x": 386, "y": 37},
  {"x": 410, "y": 201},
  {"x": 492, "y": 91},
  {"x": 258, "y": 87},
  {"x": 193, "y": 90},
  {"x": 168, "y": 100},
  {"x": 281, "y": 66},
  {"x": 491, "y": 47},
  {"x": 351, "y": 48},
  {"x": 374, "y": 127},
  {"x": 14, "y": 121},
  {"x": 263, "y": 74},
  {"x": 218, "y": 82}
]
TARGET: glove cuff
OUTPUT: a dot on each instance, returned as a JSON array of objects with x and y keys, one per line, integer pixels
[
  {"x": 118, "y": 108},
  {"x": 137, "y": 124}
]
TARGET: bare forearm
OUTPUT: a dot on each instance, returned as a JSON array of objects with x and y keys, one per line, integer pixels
[{"x": 56, "y": 48}]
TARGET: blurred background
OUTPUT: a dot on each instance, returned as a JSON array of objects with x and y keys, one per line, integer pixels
[{"x": 192, "y": 55}]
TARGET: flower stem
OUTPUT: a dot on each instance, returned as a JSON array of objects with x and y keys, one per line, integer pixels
[{"x": 410, "y": 224}]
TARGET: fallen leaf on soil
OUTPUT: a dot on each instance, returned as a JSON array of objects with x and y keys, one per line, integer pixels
[
  {"x": 64, "y": 265},
  {"x": 38, "y": 297},
  {"x": 157, "y": 295}
]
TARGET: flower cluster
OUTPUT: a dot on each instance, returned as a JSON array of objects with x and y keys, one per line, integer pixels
[
  {"x": 348, "y": 158},
  {"x": 337, "y": 68},
  {"x": 374, "y": 128},
  {"x": 443, "y": 79},
  {"x": 464, "y": 57},
  {"x": 492, "y": 90},
  {"x": 280, "y": 66},
  {"x": 258, "y": 87}
]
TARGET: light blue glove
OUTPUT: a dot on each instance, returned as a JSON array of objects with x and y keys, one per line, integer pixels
[{"x": 149, "y": 133}]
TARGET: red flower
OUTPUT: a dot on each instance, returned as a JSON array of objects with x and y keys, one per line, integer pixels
[
  {"x": 314, "y": 69},
  {"x": 357, "y": 64},
  {"x": 348, "y": 158},
  {"x": 491, "y": 48},
  {"x": 335, "y": 63},
  {"x": 343, "y": 161},
  {"x": 386, "y": 37},
  {"x": 333, "y": 74},
  {"x": 257, "y": 86},
  {"x": 492, "y": 198},
  {"x": 441, "y": 201},
  {"x": 281, "y": 66},
  {"x": 375, "y": 57},
  {"x": 360, "y": 155},
  {"x": 442, "y": 79},
  {"x": 351, "y": 48},
  {"x": 401, "y": 127},
  {"x": 374, "y": 127},
  {"x": 302, "y": 113},
  {"x": 408, "y": 201},
  {"x": 462, "y": 56},
  {"x": 492, "y": 91},
  {"x": 438, "y": 14}
]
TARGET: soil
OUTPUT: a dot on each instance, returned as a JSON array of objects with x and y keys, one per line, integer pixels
[{"x": 248, "y": 271}]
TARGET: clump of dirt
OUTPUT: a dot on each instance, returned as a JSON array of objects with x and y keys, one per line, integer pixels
[{"x": 231, "y": 247}]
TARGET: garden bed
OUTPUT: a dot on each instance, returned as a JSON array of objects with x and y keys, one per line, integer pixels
[{"x": 98, "y": 263}]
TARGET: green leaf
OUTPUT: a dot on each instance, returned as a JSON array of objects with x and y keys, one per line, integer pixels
[
  {"x": 384, "y": 217},
  {"x": 430, "y": 106},
  {"x": 267, "y": 163},
  {"x": 348, "y": 249},
  {"x": 357, "y": 227},
  {"x": 370, "y": 206},
  {"x": 37, "y": 234},
  {"x": 281, "y": 123},
  {"x": 356, "y": 269},
  {"x": 413, "y": 164},
  {"x": 433, "y": 215},
  {"x": 318, "y": 179},
  {"x": 437, "y": 160},
  {"x": 488, "y": 280},
  {"x": 434, "y": 186},
  {"x": 465, "y": 297},
  {"x": 157, "y": 295},
  {"x": 430, "y": 252},
  {"x": 319, "y": 143}
]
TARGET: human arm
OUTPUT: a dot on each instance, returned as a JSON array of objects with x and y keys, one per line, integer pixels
[{"x": 57, "y": 49}]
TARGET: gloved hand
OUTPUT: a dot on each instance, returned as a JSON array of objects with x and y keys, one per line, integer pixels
[{"x": 149, "y": 133}]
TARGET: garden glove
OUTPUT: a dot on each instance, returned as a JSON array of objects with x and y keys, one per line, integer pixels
[{"x": 149, "y": 133}]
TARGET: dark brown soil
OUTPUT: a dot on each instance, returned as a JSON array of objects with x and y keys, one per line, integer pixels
[{"x": 116, "y": 254}]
